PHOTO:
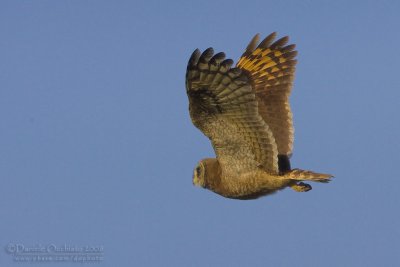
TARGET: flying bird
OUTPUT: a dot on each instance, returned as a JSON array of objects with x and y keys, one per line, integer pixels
[{"x": 245, "y": 112}]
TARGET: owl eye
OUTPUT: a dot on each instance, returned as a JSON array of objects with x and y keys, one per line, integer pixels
[{"x": 198, "y": 171}]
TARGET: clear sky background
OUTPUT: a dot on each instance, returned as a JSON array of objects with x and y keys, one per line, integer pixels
[{"x": 97, "y": 147}]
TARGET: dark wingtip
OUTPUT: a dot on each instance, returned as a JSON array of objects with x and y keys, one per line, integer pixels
[
  {"x": 281, "y": 42},
  {"x": 267, "y": 40},
  {"x": 252, "y": 45},
  {"x": 194, "y": 58},
  {"x": 283, "y": 163},
  {"x": 217, "y": 58},
  {"x": 206, "y": 55},
  {"x": 227, "y": 63}
]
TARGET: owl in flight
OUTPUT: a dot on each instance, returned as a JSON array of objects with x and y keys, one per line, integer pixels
[{"x": 245, "y": 112}]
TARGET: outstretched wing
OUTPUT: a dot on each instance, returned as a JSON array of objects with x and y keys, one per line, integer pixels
[
  {"x": 223, "y": 106},
  {"x": 270, "y": 67}
]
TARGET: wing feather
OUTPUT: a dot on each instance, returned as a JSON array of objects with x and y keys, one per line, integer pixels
[
  {"x": 270, "y": 67},
  {"x": 223, "y": 106}
]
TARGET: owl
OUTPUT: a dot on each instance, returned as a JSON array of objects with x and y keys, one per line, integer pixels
[{"x": 244, "y": 110}]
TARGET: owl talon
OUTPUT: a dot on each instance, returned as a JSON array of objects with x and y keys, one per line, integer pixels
[{"x": 301, "y": 187}]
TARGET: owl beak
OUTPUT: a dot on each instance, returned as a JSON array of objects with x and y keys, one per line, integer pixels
[{"x": 195, "y": 181}]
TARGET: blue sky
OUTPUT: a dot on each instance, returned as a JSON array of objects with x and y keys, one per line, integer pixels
[{"x": 97, "y": 148}]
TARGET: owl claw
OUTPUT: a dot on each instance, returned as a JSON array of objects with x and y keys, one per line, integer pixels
[{"x": 301, "y": 187}]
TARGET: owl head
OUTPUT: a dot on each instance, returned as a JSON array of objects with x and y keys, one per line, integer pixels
[
  {"x": 207, "y": 173},
  {"x": 199, "y": 175}
]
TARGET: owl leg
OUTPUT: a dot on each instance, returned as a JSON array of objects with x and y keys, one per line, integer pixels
[{"x": 301, "y": 187}]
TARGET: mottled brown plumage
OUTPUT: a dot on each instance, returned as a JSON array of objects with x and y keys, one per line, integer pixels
[{"x": 245, "y": 112}]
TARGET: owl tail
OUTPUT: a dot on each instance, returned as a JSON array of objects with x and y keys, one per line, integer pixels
[{"x": 302, "y": 175}]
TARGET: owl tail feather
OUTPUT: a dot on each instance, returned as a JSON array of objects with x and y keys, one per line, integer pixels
[{"x": 303, "y": 175}]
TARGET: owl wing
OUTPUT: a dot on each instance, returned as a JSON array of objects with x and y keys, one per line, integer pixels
[
  {"x": 223, "y": 105},
  {"x": 270, "y": 67}
]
